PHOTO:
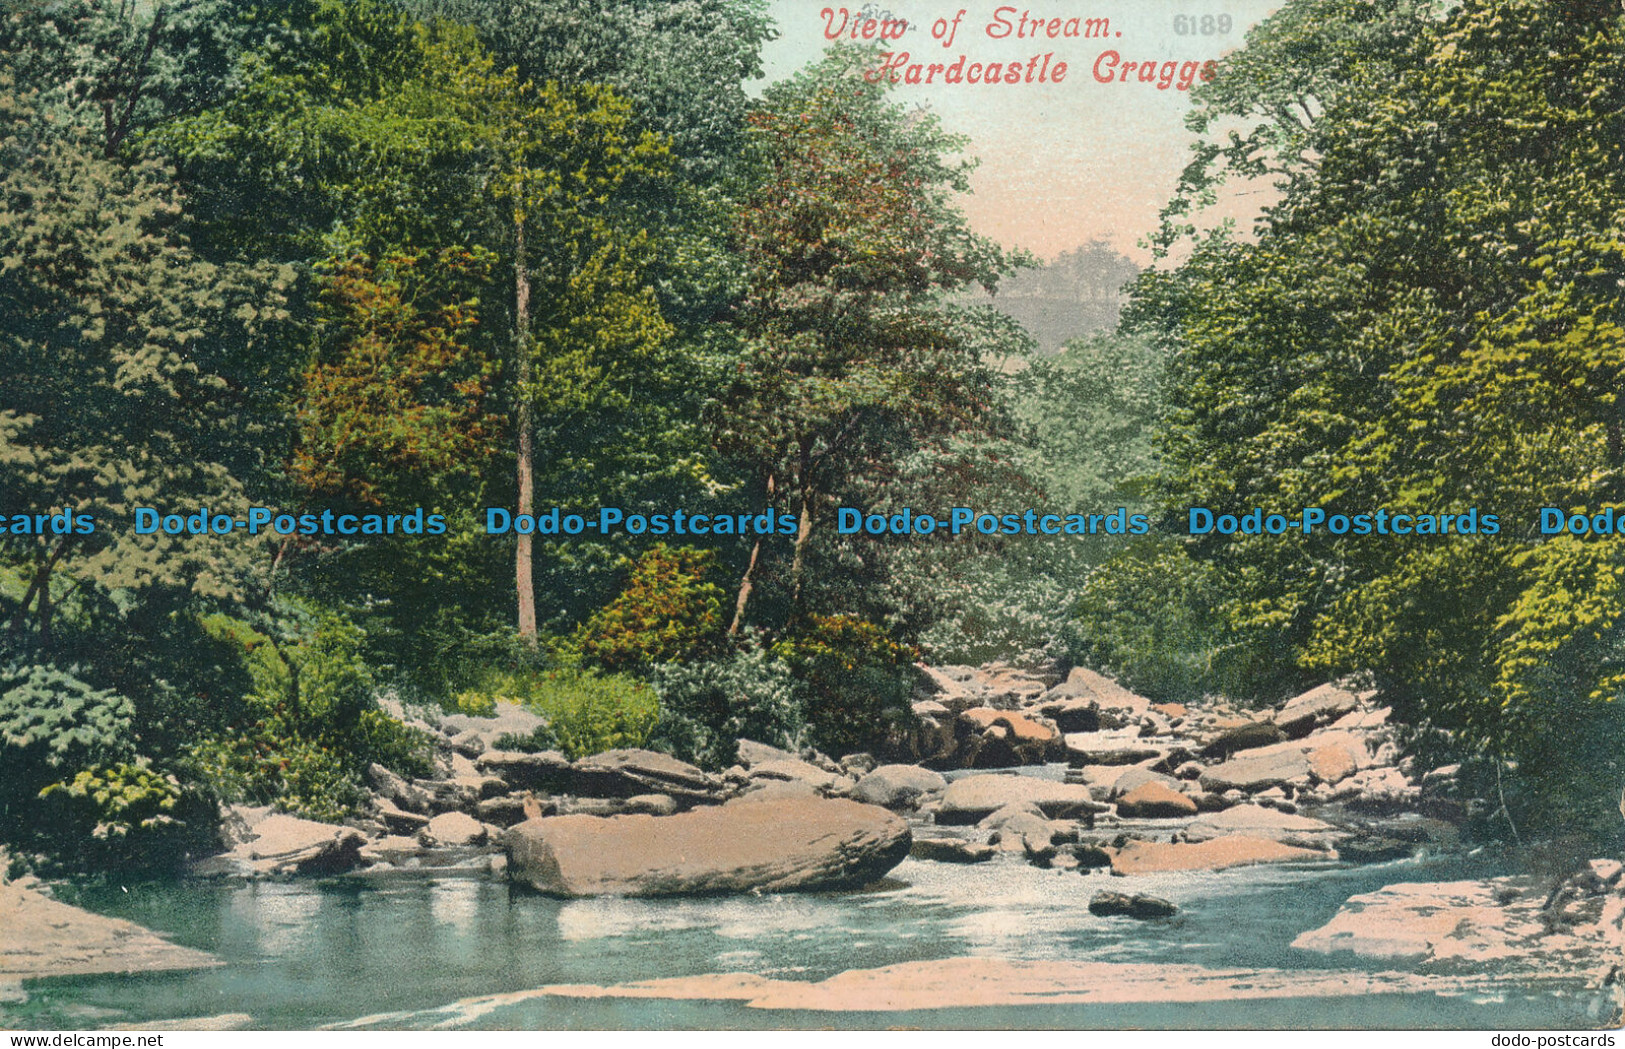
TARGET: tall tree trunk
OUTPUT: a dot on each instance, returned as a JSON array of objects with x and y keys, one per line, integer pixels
[
  {"x": 803, "y": 534},
  {"x": 747, "y": 582},
  {"x": 521, "y": 321}
]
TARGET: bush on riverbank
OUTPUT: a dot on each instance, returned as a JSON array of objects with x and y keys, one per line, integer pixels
[
  {"x": 311, "y": 723},
  {"x": 707, "y": 707}
]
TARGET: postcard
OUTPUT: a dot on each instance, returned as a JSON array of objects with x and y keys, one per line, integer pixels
[{"x": 765, "y": 514}]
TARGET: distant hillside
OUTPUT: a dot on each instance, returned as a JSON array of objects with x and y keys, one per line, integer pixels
[{"x": 1079, "y": 293}]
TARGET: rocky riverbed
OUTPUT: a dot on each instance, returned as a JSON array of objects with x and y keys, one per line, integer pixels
[{"x": 1067, "y": 773}]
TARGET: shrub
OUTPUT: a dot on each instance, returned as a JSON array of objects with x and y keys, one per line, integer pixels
[
  {"x": 535, "y": 741},
  {"x": 591, "y": 713},
  {"x": 52, "y": 726},
  {"x": 666, "y": 612},
  {"x": 314, "y": 721},
  {"x": 472, "y": 702},
  {"x": 705, "y": 708},
  {"x": 586, "y": 712},
  {"x": 856, "y": 682},
  {"x": 125, "y": 815}
]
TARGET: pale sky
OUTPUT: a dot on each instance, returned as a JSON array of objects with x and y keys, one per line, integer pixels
[{"x": 1061, "y": 163}]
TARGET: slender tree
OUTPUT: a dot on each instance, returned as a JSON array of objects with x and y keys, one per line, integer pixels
[{"x": 851, "y": 241}]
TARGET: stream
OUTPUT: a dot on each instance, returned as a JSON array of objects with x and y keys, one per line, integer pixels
[{"x": 410, "y": 950}]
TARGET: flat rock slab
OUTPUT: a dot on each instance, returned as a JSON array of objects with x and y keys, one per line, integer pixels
[
  {"x": 1155, "y": 801},
  {"x": 1083, "y": 683},
  {"x": 973, "y": 798},
  {"x": 1110, "y": 748},
  {"x": 1238, "y": 850},
  {"x": 547, "y": 770},
  {"x": 768, "y": 846},
  {"x": 1258, "y": 822},
  {"x": 43, "y": 937},
  {"x": 971, "y": 982},
  {"x": 1245, "y": 736},
  {"x": 1416, "y": 922},
  {"x": 628, "y": 773},
  {"x": 1255, "y": 771},
  {"x": 282, "y": 845},
  {"x": 793, "y": 770},
  {"x": 1317, "y": 707}
]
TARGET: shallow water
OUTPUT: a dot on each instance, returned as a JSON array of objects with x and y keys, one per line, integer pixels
[{"x": 406, "y": 951}]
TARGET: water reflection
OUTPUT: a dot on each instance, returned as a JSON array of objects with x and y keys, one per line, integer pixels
[
  {"x": 278, "y": 917},
  {"x": 308, "y": 953}
]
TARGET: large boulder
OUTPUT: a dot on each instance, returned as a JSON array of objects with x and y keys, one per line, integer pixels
[
  {"x": 898, "y": 786},
  {"x": 628, "y": 773},
  {"x": 1028, "y": 833},
  {"x": 1332, "y": 764},
  {"x": 999, "y": 738},
  {"x": 974, "y": 798},
  {"x": 1314, "y": 709},
  {"x": 931, "y": 737},
  {"x": 766, "y": 846}
]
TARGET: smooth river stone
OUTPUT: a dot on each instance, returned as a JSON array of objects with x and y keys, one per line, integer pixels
[{"x": 786, "y": 845}]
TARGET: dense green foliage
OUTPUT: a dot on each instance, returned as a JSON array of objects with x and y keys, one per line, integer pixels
[
  {"x": 586, "y": 712},
  {"x": 706, "y": 707},
  {"x": 431, "y": 256},
  {"x": 666, "y": 612},
  {"x": 856, "y": 680},
  {"x": 853, "y": 359},
  {"x": 1427, "y": 322}
]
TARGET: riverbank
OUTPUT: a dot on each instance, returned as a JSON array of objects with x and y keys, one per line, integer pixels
[
  {"x": 1301, "y": 828},
  {"x": 44, "y": 938}
]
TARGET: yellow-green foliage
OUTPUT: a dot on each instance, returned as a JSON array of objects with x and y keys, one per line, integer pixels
[
  {"x": 855, "y": 678},
  {"x": 665, "y": 613},
  {"x": 123, "y": 799},
  {"x": 474, "y": 703},
  {"x": 588, "y": 713}
]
